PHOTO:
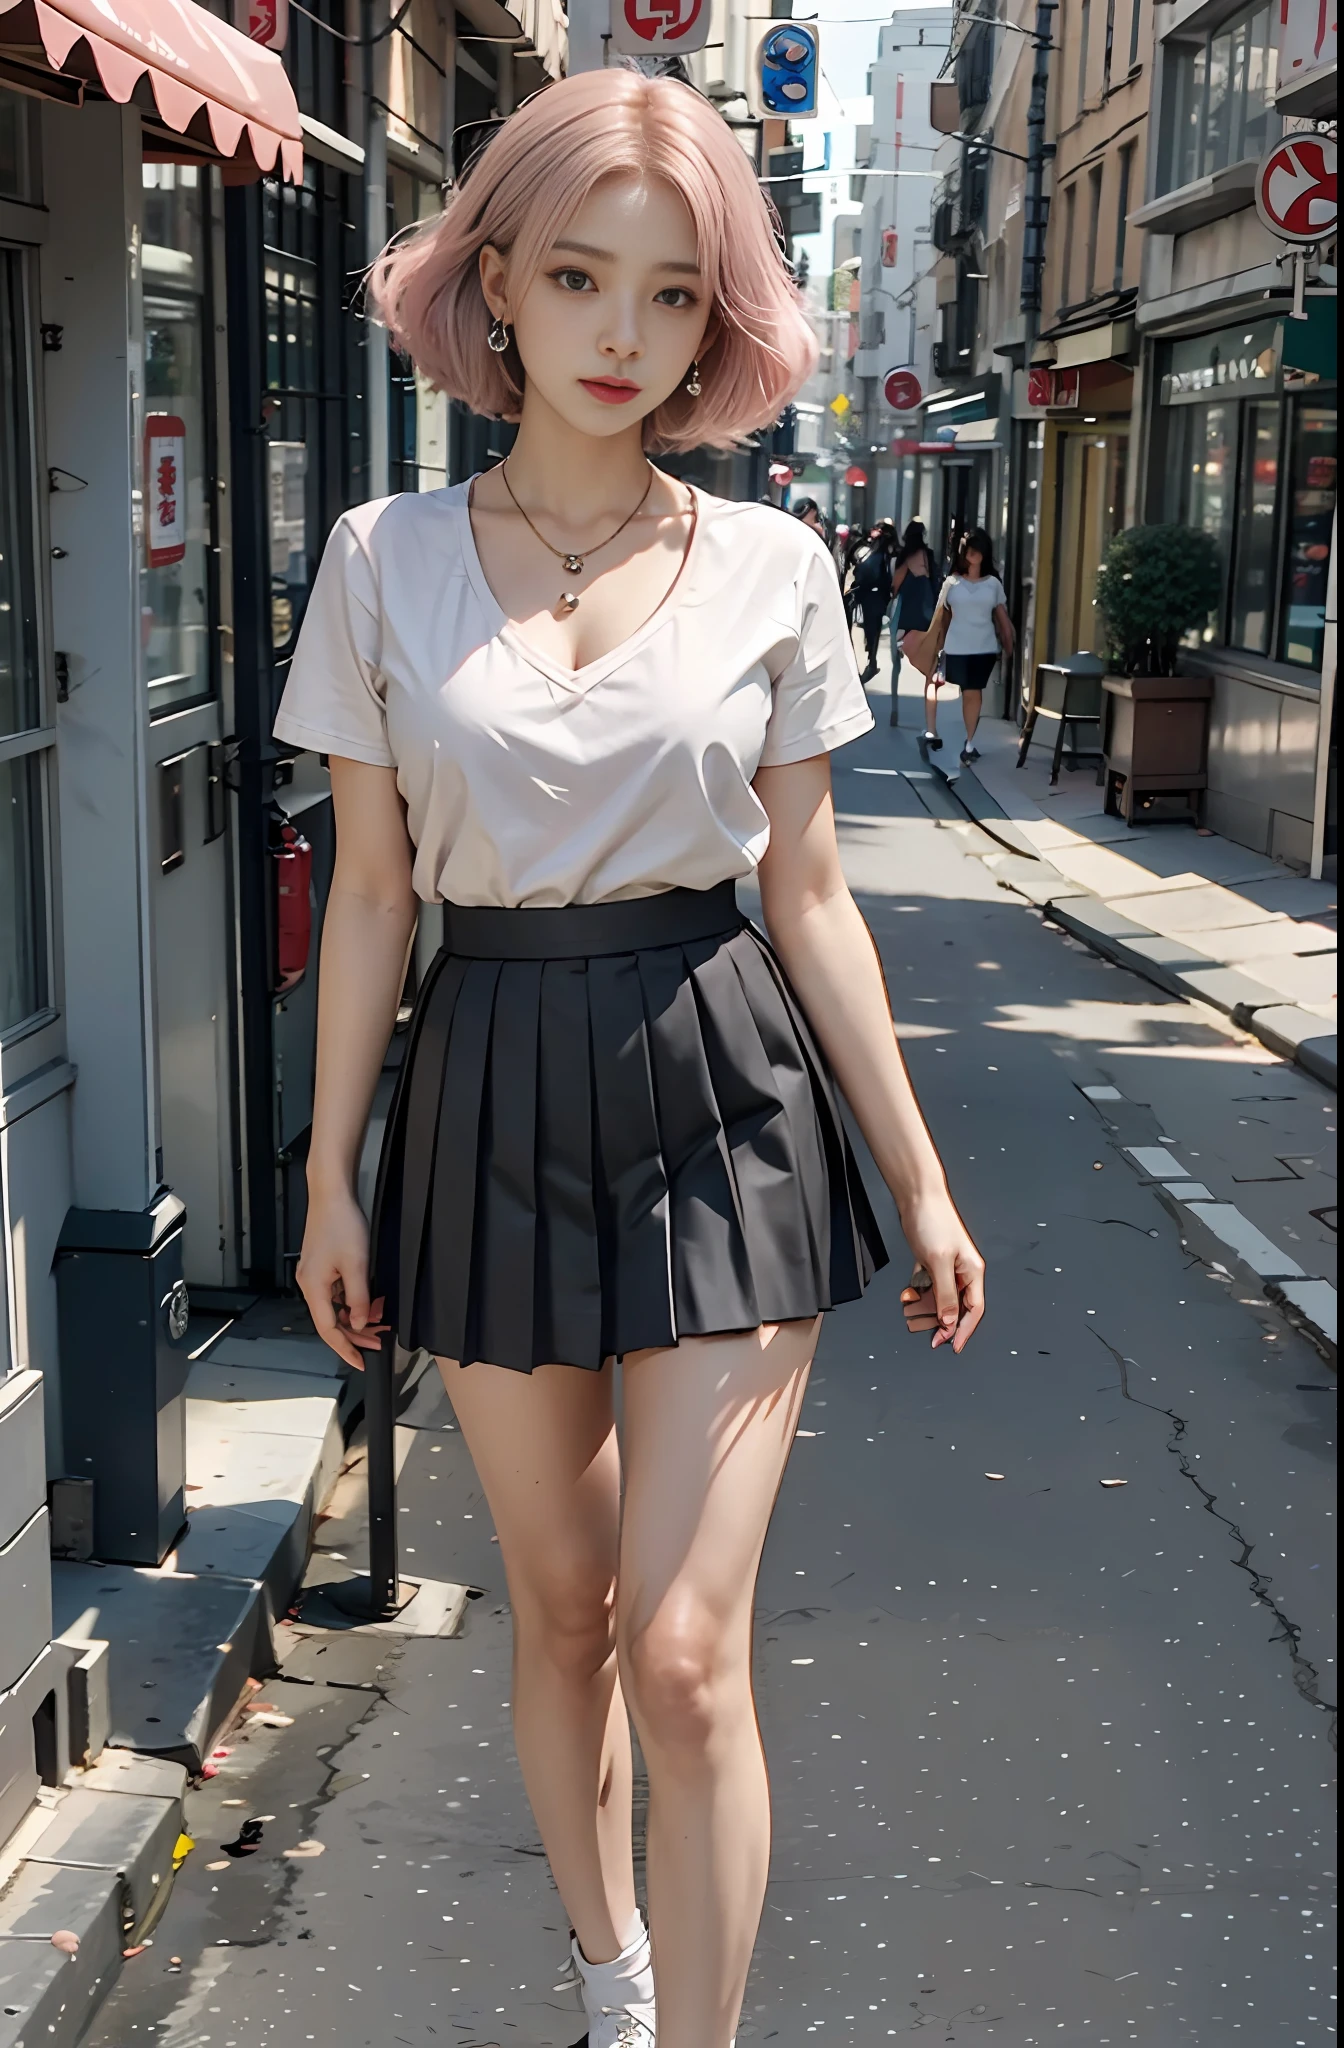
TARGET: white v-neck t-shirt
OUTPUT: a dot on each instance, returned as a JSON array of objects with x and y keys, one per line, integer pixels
[{"x": 528, "y": 783}]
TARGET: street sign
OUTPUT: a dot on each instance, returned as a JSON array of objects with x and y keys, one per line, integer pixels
[
  {"x": 263, "y": 21},
  {"x": 839, "y": 405},
  {"x": 890, "y": 243},
  {"x": 644, "y": 28},
  {"x": 1308, "y": 38},
  {"x": 1297, "y": 188},
  {"x": 786, "y": 77},
  {"x": 854, "y": 475},
  {"x": 902, "y": 390},
  {"x": 165, "y": 489}
]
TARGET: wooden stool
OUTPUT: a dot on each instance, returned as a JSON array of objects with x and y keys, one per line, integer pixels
[{"x": 1069, "y": 692}]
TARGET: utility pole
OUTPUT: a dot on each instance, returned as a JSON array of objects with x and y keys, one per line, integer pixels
[
  {"x": 1035, "y": 205},
  {"x": 377, "y": 62}
]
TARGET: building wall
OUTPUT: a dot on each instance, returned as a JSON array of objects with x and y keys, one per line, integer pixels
[
  {"x": 1100, "y": 120},
  {"x": 893, "y": 235},
  {"x": 1268, "y": 767}
]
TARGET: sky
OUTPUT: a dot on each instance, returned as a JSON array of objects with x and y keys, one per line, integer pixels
[{"x": 849, "y": 38}]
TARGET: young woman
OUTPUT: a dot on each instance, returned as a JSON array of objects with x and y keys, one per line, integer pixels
[
  {"x": 979, "y": 630},
  {"x": 574, "y": 700},
  {"x": 914, "y": 598}
]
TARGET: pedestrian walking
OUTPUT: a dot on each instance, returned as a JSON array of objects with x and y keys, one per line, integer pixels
[
  {"x": 814, "y": 519},
  {"x": 872, "y": 591},
  {"x": 809, "y": 511},
  {"x": 914, "y": 600},
  {"x": 575, "y": 700},
  {"x": 971, "y": 629}
]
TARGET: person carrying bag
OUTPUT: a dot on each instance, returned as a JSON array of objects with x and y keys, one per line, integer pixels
[{"x": 971, "y": 629}]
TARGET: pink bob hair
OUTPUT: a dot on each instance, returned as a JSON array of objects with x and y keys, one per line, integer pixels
[{"x": 531, "y": 179}]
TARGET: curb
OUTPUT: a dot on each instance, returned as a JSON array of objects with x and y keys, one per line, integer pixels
[
  {"x": 1216, "y": 1231},
  {"x": 98, "y": 1865},
  {"x": 94, "y": 1859},
  {"x": 1292, "y": 1033}
]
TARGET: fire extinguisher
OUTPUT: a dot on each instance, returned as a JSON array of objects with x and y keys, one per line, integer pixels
[{"x": 293, "y": 858}]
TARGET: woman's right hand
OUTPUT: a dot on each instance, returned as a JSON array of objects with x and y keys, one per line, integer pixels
[{"x": 333, "y": 1277}]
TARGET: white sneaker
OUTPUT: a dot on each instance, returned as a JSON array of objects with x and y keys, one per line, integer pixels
[{"x": 617, "y": 1996}]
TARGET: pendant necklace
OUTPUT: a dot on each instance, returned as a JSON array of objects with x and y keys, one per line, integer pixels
[{"x": 570, "y": 559}]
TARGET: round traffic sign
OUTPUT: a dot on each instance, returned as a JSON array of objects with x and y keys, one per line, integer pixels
[
  {"x": 902, "y": 390},
  {"x": 642, "y": 27},
  {"x": 855, "y": 475},
  {"x": 1297, "y": 188}
]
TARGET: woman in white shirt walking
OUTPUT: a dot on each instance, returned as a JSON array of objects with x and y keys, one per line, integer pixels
[
  {"x": 979, "y": 630},
  {"x": 573, "y": 701}
]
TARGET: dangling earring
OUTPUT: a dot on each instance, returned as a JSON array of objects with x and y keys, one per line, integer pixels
[
  {"x": 497, "y": 340},
  {"x": 693, "y": 385}
]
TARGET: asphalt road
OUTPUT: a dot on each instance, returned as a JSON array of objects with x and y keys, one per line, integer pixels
[{"x": 980, "y": 1670}]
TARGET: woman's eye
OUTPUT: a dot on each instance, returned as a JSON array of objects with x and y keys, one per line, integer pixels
[
  {"x": 572, "y": 280},
  {"x": 675, "y": 295}
]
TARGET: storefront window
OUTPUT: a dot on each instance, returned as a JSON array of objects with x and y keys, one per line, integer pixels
[
  {"x": 23, "y": 922},
  {"x": 17, "y": 164},
  {"x": 177, "y": 597},
  {"x": 1218, "y": 99},
  {"x": 1207, "y": 480},
  {"x": 1253, "y": 572},
  {"x": 1221, "y": 464},
  {"x": 1313, "y": 463},
  {"x": 22, "y": 891}
]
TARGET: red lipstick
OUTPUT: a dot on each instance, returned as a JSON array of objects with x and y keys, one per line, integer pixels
[{"x": 610, "y": 390}]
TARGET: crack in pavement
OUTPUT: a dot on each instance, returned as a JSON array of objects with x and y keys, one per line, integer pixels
[{"x": 1306, "y": 1677}]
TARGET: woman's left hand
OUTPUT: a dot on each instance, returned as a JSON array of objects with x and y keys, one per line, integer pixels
[{"x": 953, "y": 1300}]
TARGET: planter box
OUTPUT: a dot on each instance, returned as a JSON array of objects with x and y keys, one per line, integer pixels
[{"x": 1157, "y": 740}]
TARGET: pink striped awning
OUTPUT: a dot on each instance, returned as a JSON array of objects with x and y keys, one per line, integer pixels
[{"x": 205, "y": 76}]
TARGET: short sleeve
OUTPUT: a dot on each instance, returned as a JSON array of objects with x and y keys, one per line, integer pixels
[
  {"x": 819, "y": 702},
  {"x": 1000, "y": 595},
  {"x": 332, "y": 700}
]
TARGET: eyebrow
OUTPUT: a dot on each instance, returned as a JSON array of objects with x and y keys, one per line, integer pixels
[{"x": 606, "y": 256}]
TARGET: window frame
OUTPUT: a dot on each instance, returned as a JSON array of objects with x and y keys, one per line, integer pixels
[
  {"x": 1126, "y": 159},
  {"x": 38, "y": 1038},
  {"x": 1186, "y": 93},
  {"x": 1135, "y": 24},
  {"x": 207, "y": 303},
  {"x": 1169, "y": 489},
  {"x": 1091, "y": 249},
  {"x": 332, "y": 404},
  {"x": 1070, "y": 228}
]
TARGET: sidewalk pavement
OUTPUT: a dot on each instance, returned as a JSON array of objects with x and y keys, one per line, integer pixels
[
  {"x": 180, "y": 1651},
  {"x": 1194, "y": 913}
]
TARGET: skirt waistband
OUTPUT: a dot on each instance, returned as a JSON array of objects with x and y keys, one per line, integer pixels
[{"x": 674, "y": 917}]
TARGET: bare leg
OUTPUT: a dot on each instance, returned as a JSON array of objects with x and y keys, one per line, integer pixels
[
  {"x": 971, "y": 701},
  {"x": 708, "y": 1429},
  {"x": 930, "y": 707},
  {"x": 544, "y": 1447}
]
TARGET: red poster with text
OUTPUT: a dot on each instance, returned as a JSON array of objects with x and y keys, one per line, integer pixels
[{"x": 165, "y": 490}]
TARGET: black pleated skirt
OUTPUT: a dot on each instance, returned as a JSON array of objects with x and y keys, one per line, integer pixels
[{"x": 612, "y": 1129}]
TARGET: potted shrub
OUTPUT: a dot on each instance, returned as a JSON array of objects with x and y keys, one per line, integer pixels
[{"x": 1156, "y": 584}]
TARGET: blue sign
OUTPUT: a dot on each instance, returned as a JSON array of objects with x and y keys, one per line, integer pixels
[{"x": 788, "y": 72}]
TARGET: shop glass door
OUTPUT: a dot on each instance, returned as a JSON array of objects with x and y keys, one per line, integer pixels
[{"x": 180, "y": 613}]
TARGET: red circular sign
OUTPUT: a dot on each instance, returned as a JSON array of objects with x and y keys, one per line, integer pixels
[
  {"x": 1297, "y": 189},
  {"x": 855, "y": 475},
  {"x": 902, "y": 390},
  {"x": 665, "y": 22}
]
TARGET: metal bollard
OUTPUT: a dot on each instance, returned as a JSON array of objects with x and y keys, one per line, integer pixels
[
  {"x": 381, "y": 1594},
  {"x": 380, "y": 1414}
]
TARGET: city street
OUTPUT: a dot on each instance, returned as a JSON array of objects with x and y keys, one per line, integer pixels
[{"x": 1079, "y": 1579}]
